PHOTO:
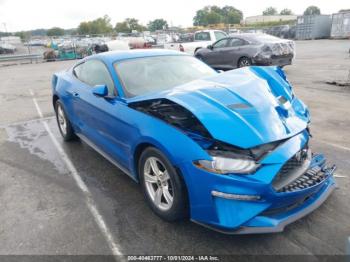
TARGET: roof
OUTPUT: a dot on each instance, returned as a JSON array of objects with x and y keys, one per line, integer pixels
[{"x": 114, "y": 56}]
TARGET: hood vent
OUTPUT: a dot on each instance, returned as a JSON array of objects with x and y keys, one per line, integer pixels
[{"x": 238, "y": 106}]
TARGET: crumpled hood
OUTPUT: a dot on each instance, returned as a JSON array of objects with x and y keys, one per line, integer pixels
[{"x": 244, "y": 107}]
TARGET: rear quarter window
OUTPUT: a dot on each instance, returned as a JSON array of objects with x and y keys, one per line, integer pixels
[
  {"x": 77, "y": 71},
  {"x": 219, "y": 35}
]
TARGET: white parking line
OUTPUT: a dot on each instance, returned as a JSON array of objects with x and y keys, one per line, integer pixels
[
  {"x": 80, "y": 183},
  {"x": 335, "y": 145}
]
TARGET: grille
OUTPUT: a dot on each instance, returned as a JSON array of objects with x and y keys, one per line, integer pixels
[
  {"x": 291, "y": 164},
  {"x": 296, "y": 173},
  {"x": 312, "y": 177}
]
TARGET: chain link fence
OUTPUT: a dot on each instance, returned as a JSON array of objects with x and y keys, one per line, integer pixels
[{"x": 35, "y": 49}]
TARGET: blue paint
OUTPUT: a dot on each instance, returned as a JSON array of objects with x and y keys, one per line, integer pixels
[{"x": 239, "y": 107}]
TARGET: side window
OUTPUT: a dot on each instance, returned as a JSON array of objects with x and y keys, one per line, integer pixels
[
  {"x": 202, "y": 36},
  {"x": 77, "y": 71},
  {"x": 236, "y": 42},
  {"x": 219, "y": 35},
  {"x": 94, "y": 72},
  {"x": 221, "y": 43}
]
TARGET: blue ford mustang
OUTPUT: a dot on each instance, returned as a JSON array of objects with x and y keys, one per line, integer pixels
[{"x": 228, "y": 150}]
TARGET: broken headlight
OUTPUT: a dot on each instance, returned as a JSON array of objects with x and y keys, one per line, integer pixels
[{"x": 224, "y": 163}]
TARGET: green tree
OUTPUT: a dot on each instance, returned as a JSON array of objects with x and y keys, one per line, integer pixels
[
  {"x": 231, "y": 15},
  {"x": 55, "y": 31},
  {"x": 157, "y": 24},
  {"x": 122, "y": 27},
  {"x": 270, "y": 11},
  {"x": 100, "y": 25},
  {"x": 213, "y": 18},
  {"x": 84, "y": 28},
  {"x": 128, "y": 25},
  {"x": 214, "y": 15},
  {"x": 200, "y": 17},
  {"x": 312, "y": 10},
  {"x": 134, "y": 24},
  {"x": 286, "y": 11}
]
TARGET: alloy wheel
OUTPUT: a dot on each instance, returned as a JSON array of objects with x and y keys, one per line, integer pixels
[
  {"x": 158, "y": 183},
  {"x": 61, "y": 119},
  {"x": 244, "y": 62}
]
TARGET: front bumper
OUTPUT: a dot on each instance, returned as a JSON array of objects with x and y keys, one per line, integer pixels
[
  {"x": 272, "y": 210},
  {"x": 276, "y": 223},
  {"x": 274, "y": 61}
]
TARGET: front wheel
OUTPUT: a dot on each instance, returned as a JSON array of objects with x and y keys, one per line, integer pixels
[
  {"x": 244, "y": 61},
  {"x": 199, "y": 57},
  {"x": 164, "y": 189}
]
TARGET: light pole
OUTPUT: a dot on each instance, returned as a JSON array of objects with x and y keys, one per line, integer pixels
[{"x": 5, "y": 27}]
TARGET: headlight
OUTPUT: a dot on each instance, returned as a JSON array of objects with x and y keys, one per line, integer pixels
[{"x": 224, "y": 165}]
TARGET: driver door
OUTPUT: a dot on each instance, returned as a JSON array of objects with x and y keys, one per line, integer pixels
[
  {"x": 215, "y": 57},
  {"x": 237, "y": 49},
  {"x": 97, "y": 118}
]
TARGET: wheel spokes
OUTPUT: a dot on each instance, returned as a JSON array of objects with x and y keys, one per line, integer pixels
[
  {"x": 154, "y": 166},
  {"x": 158, "y": 196},
  {"x": 158, "y": 183},
  {"x": 150, "y": 179},
  {"x": 168, "y": 197},
  {"x": 61, "y": 119},
  {"x": 165, "y": 176}
]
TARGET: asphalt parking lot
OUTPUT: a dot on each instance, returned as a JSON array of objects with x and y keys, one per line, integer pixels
[{"x": 44, "y": 211}]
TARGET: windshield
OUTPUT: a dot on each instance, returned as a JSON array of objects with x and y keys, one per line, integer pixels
[{"x": 145, "y": 75}]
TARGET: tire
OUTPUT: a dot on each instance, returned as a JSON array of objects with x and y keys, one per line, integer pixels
[
  {"x": 244, "y": 61},
  {"x": 199, "y": 57},
  {"x": 166, "y": 192},
  {"x": 63, "y": 123},
  {"x": 196, "y": 50}
]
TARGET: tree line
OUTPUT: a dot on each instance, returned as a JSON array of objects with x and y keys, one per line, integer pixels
[
  {"x": 311, "y": 10},
  {"x": 103, "y": 25},
  {"x": 208, "y": 15}
]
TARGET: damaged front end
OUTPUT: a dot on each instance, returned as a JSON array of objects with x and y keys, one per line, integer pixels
[
  {"x": 260, "y": 173},
  {"x": 275, "y": 53}
]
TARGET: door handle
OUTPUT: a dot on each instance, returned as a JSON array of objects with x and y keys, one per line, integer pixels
[{"x": 72, "y": 93}]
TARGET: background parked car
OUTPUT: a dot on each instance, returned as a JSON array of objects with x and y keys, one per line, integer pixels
[
  {"x": 201, "y": 40},
  {"x": 6, "y": 48},
  {"x": 282, "y": 31},
  {"x": 247, "y": 49}
]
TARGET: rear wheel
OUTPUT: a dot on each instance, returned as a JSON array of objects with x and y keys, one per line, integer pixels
[
  {"x": 164, "y": 190},
  {"x": 64, "y": 125},
  {"x": 195, "y": 51},
  {"x": 244, "y": 61}
]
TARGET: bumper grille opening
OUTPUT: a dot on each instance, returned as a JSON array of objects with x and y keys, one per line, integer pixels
[
  {"x": 312, "y": 177},
  {"x": 296, "y": 173},
  {"x": 273, "y": 211}
]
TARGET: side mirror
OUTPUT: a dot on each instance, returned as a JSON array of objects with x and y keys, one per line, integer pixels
[
  {"x": 100, "y": 90},
  {"x": 210, "y": 47}
]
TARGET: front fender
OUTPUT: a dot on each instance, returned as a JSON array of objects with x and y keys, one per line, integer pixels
[{"x": 173, "y": 142}]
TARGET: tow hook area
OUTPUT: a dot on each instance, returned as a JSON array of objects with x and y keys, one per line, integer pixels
[{"x": 330, "y": 170}]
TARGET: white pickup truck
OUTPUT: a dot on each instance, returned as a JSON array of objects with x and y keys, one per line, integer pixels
[{"x": 201, "y": 40}]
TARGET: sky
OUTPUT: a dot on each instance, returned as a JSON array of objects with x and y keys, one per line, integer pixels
[{"x": 17, "y": 15}]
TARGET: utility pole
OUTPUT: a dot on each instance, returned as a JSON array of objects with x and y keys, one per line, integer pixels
[{"x": 5, "y": 27}]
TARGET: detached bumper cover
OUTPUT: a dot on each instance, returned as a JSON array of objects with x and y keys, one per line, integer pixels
[
  {"x": 277, "y": 223},
  {"x": 252, "y": 207},
  {"x": 276, "y": 61}
]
